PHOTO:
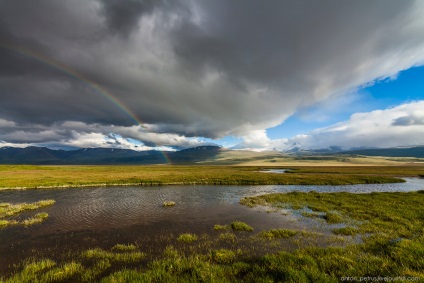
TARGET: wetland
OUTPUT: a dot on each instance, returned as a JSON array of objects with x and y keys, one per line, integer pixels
[{"x": 210, "y": 233}]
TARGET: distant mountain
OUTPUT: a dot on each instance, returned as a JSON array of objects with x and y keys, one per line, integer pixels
[
  {"x": 46, "y": 156},
  {"x": 414, "y": 151},
  {"x": 417, "y": 151}
]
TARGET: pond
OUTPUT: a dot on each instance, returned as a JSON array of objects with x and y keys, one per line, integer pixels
[{"x": 102, "y": 217}]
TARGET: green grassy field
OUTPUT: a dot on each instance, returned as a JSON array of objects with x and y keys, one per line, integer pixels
[
  {"x": 389, "y": 243},
  {"x": 21, "y": 176}
]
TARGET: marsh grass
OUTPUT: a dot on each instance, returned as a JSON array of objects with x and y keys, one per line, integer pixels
[
  {"x": 277, "y": 233},
  {"x": 46, "y": 271},
  {"x": 168, "y": 203},
  {"x": 334, "y": 218},
  {"x": 311, "y": 214},
  {"x": 24, "y": 176},
  {"x": 124, "y": 248},
  {"x": 218, "y": 227},
  {"x": 223, "y": 256},
  {"x": 241, "y": 226},
  {"x": 100, "y": 254},
  {"x": 37, "y": 219},
  {"x": 346, "y": 231},
  {"x": 227, "y": 237},
  {"x": 187, "y": 238},
  {"x": 392, "y": 214},
  {"x": 9, "y": 210}
]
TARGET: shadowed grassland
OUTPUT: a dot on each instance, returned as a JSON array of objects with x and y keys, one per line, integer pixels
[
  {"x": 390, "y": 226},
  {"x": 8, "y": 210},
  {"x": 23, "y": 176}
]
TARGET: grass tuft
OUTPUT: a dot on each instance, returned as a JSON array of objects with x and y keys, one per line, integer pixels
[
  {"x": 218, "y": 227},
  {"x": 37, "y": 219},
  {"x": 168, "y": 203},
  {"x": 241, "y": 226},
  {"x": 346, "y": 231},
  {"x": 277, "y": 233},
  {"x": 8, "y": 210},
  {"x": 187, "y": 238},
  {"x": 227, "y": 237},
  {"x": 99, "y": 254},
  {"x": 223, "y": 256},
  {"x": 124, "y": 248},
  {"x": 333, "y": 217}
]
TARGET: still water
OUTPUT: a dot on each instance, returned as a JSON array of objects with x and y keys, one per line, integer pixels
[{"x": 88, "y": 217}]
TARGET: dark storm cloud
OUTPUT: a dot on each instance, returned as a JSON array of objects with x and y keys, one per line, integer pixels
[
  {"x": 410, "y": 120},
  {"x": 192, "y": 68},
  {"x": 122, "y": 16}
]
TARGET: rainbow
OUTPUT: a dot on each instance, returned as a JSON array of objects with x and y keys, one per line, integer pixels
[{"x": 77, "y": 76}]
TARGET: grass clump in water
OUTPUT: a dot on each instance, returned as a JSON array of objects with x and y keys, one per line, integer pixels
[
  {"x": 8, "y": 210},
  {"x": 37, "y": 219},
  {"x": 47, "y": 271},
  {"x": 227, "y": 237},
  {"x": 223, "y": 256},
  {"x": 168, "y": 203},
  {"x": 99, "y": 254},
  {"x": 277, "y": 233},
  {"x": 241, "y": 226},
  {"x": 187, "y": 238},
  {"x": 218, "y": 227},
  {"x": 124, "y": 248}
]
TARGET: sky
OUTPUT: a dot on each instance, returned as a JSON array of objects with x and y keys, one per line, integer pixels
[{"x": 242, "y": 74}]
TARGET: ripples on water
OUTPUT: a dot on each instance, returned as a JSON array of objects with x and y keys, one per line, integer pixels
[{"x": 109, "y": 207}]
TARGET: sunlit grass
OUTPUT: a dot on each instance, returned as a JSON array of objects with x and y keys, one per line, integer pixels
[
  {"x": 223, "y": 256},
  {"x": 124, "y": 248},
  {"x": 346, "y": 231},
  {"x": 227, "y": 237},
  {"x": 277, "y": 233},
  {"x": 241, "y": 226},
  {"x": 24, "y": 176},
  {"x": 168, "y": 203},
  {"x": 9, "y": 210},
  {"x": 37, "y": 219},
  {"x": 187, "y": 238},
  {"x": 100, "y": 254},
  {"x": 46, "y": 271},
  {"x": 218, "y": 227}
]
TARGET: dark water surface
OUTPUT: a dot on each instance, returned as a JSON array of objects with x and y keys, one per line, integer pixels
[{"x": 84, "y": 218}]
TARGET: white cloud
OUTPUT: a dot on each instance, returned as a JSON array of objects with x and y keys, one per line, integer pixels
[
  {"x": 79, "y": 134},
  {"x": 398, "y": 126}
]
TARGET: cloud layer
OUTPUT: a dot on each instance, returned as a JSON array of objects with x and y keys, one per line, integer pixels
[
  {"x": 400, "y": 125},
  {"x": 190, "y": 69}
]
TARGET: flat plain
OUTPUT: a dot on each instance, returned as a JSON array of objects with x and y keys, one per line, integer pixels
[{"x": 32, "y": 176}]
